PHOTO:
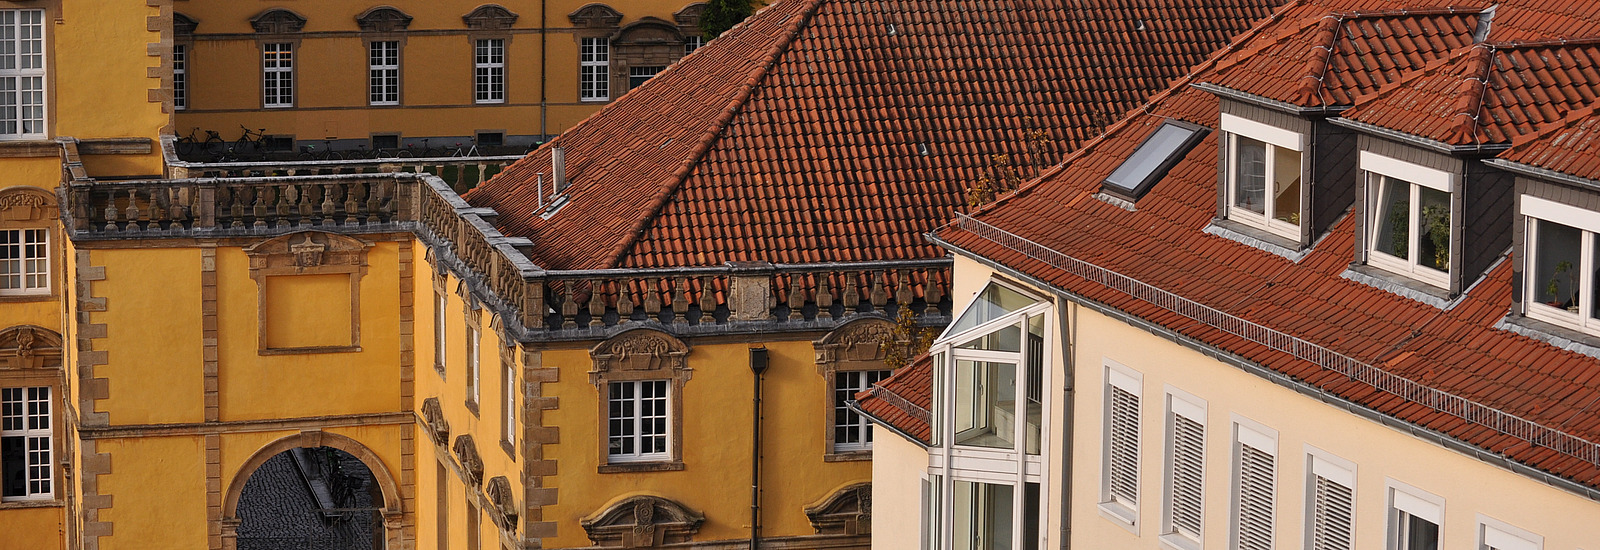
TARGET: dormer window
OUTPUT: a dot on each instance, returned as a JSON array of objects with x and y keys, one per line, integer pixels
[
  {"x": 1153, "y": 159},
  {"x": 1409, "y": 218},
  {"x": 1561, "y": 259},
  {"x": 1264, "y": 172}
]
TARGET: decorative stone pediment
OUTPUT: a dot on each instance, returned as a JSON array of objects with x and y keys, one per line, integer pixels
[
  {"x": 847, "y": 511},
  {"x": 643, "y": 351},
  {"x": 860, "y": 341},
  {"x": 433, "y": 415},
  {"x": 383, "y": 19},
  {"x": 642, "y": 522},
  {"x": 471, "y": 462},
  {"x": 490, "y": 17},
  {"x": 690, "y": 15},
  {"x": 596, "y": 16},
  {"x": 278, "y": 21},
  {"x": 307, "y": 250},
  {"x": 648, "y": 31},
  {"x": 26, "y": 204},
  {"x": 499, "y": 492},
  {"x": 29, "y": 347},
  {"x": 183, "y": 25}
]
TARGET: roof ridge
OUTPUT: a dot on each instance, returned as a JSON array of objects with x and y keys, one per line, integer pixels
[
  {"x": 675, "y": 181},
  {"x": 1211, "y": 64},
  {"x": 1469, "y": 102},
  {"x": 1520, "y": 44},
  {"x": 1572, "y": 118},
  {"x": 1407, "y": 12},
  {"x": 1327, "y": 38}
]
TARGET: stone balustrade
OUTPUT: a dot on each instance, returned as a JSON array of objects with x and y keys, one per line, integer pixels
[{"x": 460, "y": 173}]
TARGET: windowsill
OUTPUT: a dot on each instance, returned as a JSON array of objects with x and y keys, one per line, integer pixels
[
  {"x": 1120, "y": 515},
  {"x": 16, "y": 298},
  {"x": 510, "y": 450},
  {"x": 640, "y": 467},
  {"x": 41, "y": 503},
  {"x": 28, "y": 147},
  {"x": 277, "y": 106},
  {"x": 595, "y": 100},
  {"x": 1175, "y": 541},
  {"x": 848, "y": 456},
  {"x": 1401, "y": 285},
  {"x": 1252, "y": 236},
  {"x": 309, "y": 350},
  {"x": 1553, "y": 334},
  {"x": 473, "y": 406}
]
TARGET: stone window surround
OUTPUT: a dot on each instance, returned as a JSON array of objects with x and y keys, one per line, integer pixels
[
  {"x": 856, "y": 346},
  {"x": 472, "y": 314},
  {"x": 489, "y": 21},
  {"x": 27, "y": 207},
  {"x": 441, "y": 300},
  {"x": 385, "y": 24},
  {"x": 650, "y": 355},
  {"x": 278, "y": 26},
  {"x": 642, "y": 521},
  {"x": 288, "y": 255},
  {"x": 39, "y": 365}
]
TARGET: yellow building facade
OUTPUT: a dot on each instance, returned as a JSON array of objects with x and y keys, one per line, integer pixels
[{"x": 353, "y": 75}]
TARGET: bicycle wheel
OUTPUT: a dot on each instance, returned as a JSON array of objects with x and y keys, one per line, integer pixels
[{"x": 402, "y": 154}]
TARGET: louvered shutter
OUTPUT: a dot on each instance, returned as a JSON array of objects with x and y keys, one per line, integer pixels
[
  {"x": 1123, "y": 466},
  {"x": 1254, "y": 508},
  {"x": 1332, "y": 506},
  {"x": 1188, "y": 468}
]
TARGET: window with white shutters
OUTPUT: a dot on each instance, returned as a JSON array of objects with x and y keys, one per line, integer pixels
[
  {"x": 1254, "y": 488},
  {"x": 851, "y": 431},
  {"x": 438, "y": 331},
  {"x": 25, "y": 444},
  {"x": 1330, "y": 506},
  {"x": 1184, "y": 512},
  {"x": 472, "y": 364},
  {"x": 1497, "y": 535},
  {"x": 1121, "y": 471}
]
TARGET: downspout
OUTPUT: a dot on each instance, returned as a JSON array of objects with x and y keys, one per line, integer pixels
[
  {"x": 544, "y": 44},
  {"x": 758, "y": 365},
  {"x": 1069, "y": 353}
]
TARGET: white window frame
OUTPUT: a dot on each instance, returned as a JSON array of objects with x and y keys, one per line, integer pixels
[
  {"x": 277, "y": 75},
  {"x": 693, "y": 42},
  {"x": 1494, "y": 534},
  {"x": 383, "y": 72},
  {"x": 1182, "y": 404},
  {"x": 1378, "y": 168},
  {"x": 473, "y": 383},
  {"x": 1535, "y": 209},
  {"x": 1252, "y": 434},
  {"x": 1274, "y": 138},
  {"x": 1120, "y": 505},
  {"x": 594, "y": 69},
  {"x": 639, "y": 71},
  {"x": 1336, "y": 470},
  {"x": 489, "y": 70},
  {"x": 36, "y": 472},
  {"x": 24, "y": 80},
  {"x": 844, "y": 417},
  {"x": 1406, "y": 500},
  {"x": 180, "y": 77},
  {"x": 637, "y": 419},
  {"x": 18, "y": 246},
  {"x": 508, "y": 407}
]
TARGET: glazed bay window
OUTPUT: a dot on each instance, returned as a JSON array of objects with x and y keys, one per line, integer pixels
[
  {"x": 383, "y": 72},
  {"x": 24, "y": 261},
  {"x": 277, "y": 74},
  {"x": 489, "y": 70},
  {"x": 1263, "y": 174},
  {"x": 22, "y": 74},
  {"x": 851, "y": 431},
  {"x": 1409, "y": 218},
  {"x": 989, "y": 426},
  {"x": 1561, "y": 255},
  {"x": 594, "y": 70},
  {"x": 25, "y": 444},
  {"x": 638, "y": 421}
]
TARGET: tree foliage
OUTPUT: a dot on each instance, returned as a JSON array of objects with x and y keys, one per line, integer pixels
[
  {"x": 721, "y": 15},
  {"x": 907, "y": 340}
]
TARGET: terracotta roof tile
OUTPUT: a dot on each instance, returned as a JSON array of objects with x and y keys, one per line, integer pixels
[{"x": 903, "y": 399}]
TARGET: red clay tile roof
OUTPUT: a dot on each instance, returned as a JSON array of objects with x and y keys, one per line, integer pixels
[
  {"x": 902, "y": 401},
  {"x": 1572, "y": 148},
  {"x": 842, "y": 130},
  {"x": 1456, "y": 350},
  {"x": 1491, "y": 92}
]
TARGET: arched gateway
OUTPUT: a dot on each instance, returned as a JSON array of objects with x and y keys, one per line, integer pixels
[{"x": 340, "y": 477}]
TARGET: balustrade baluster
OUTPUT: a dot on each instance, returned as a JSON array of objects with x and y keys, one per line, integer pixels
[
  {"x": 375, "y": 194},
  {"x": 302, "y": 204},
  {"x": 933, "y": 292},
  {"x": 652, "y": 299},
  {"x": 680, "y": 302},
  {"x": 902, "y": 289},
  {"x": 569, "y": 305},
  {"x": 797, "y": 296},
  {"x": 258, "y": 209},
  {"x": 280, "y": 209},
  {"x": 328, "y": 205},
  {"x": 624, "y": 300},
  {"x": 708, "y": 300},
  {"x": 158, "y": 207},
  {"x": 351, "y": 205},
  {"x": 597, "y": 303},
  {"x": 133, "y": 211},
  {"x": 111, "y": 212},
  {"x": 852, "y": 291},
  {"x": 235, "y": 208},
  {"x": 879, "y": 296},
  {"x": 824, "y": 296}
]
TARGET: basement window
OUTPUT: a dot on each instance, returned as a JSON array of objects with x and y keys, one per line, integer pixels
[{"x": 1151, "y": 161}]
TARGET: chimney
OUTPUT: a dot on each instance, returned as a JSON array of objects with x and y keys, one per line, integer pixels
[{"x": 558, "y": 168}]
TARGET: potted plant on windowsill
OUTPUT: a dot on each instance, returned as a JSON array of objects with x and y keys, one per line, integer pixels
[{"x": 1553, "y": 287}]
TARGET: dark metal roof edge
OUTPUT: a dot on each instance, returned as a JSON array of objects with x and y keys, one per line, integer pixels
[
  {"x": 1532, "y": 171},
  {"x": 1260, "y": 101},
  {"x": 1419, "y": 141}
]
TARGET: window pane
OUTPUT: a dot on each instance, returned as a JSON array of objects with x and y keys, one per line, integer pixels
[
  {"x": 1419, "y": 534},
  {"x": 1160, "y": 148},
  {"x": 1555, "y": 273},
  {"x": 1433, "y": 245},
  {"x": 1286, "y": 185},
  {"x": 983, "y": 516},
  {"x": 1034, "y": 383},
  {"x": 13, "y": 466},
  {"x": 1249, "y": 174},
  {"x": 994, "y": 302},
  {"x": 986, "y": 404},
  {"x": 1005, "y": 339},
  {"x": 1391, "y": 222}
]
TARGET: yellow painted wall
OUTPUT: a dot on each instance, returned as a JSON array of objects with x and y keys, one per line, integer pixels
[
  {"x": 102, "y": 80},
  {"x": 32, "y": 528},
  {"x": 153, "y": 329},
  {"x": 1469, "y": 486},
  {"x": 158, "y": 486}
]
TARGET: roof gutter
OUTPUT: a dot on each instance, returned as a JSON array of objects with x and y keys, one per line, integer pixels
[
  {"x": 1543, "y": 173},
  {"x": 1419, "y": 141},
  {"x": 855, "y": 407},
  {"x": 1440, "y": 438},
  {"x": 1269, "y": 103}
]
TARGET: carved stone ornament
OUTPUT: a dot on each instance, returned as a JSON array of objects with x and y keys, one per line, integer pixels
[
  {"x": 433, "y": 415},
  {"x": 467, "y": 452},
  {"x": 183, "y": 25},
  {"x": 307, "y": 249},
  {"x": 648, "y": 31},
  {"x": 847, "y": 511},
  {"x": 490, "y": 17},
  {"x": 499, "y": 493},
  {"x": 642, "y": 522},
  {"x": 29, "y": 347},
  {"x": 640, "y": 350},
  {"x": 859, "y": 341},
  {"x": 596, "y": 16},
  {"x": 690, "y": 15},
  {"x": 26, "y": 204},
  {"x": 383, "y": 19},
  {"x": 278, "y": 21}
]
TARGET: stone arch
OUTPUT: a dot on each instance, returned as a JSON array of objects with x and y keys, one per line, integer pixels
[
  {"x": 595, "y": 16},
  {"x": 642, "y": 521},
  {"x": 392, "y": 507},
  {"x": 383, "y": 19},
  {"x": 648, "y": 31},
  {"x": 24, "y": 203},
  {"x": 183, "y": 25},
  {"x": 846, "y": 511},
  {"x": 690, "y": 15},
  {"x": 490, "y": 17},
  {"x": 29, "y": 347},
  {"x": 278, "y": 21}
]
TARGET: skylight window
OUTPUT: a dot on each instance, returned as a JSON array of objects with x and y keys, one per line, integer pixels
[{"x": 1151, "y": 161}]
